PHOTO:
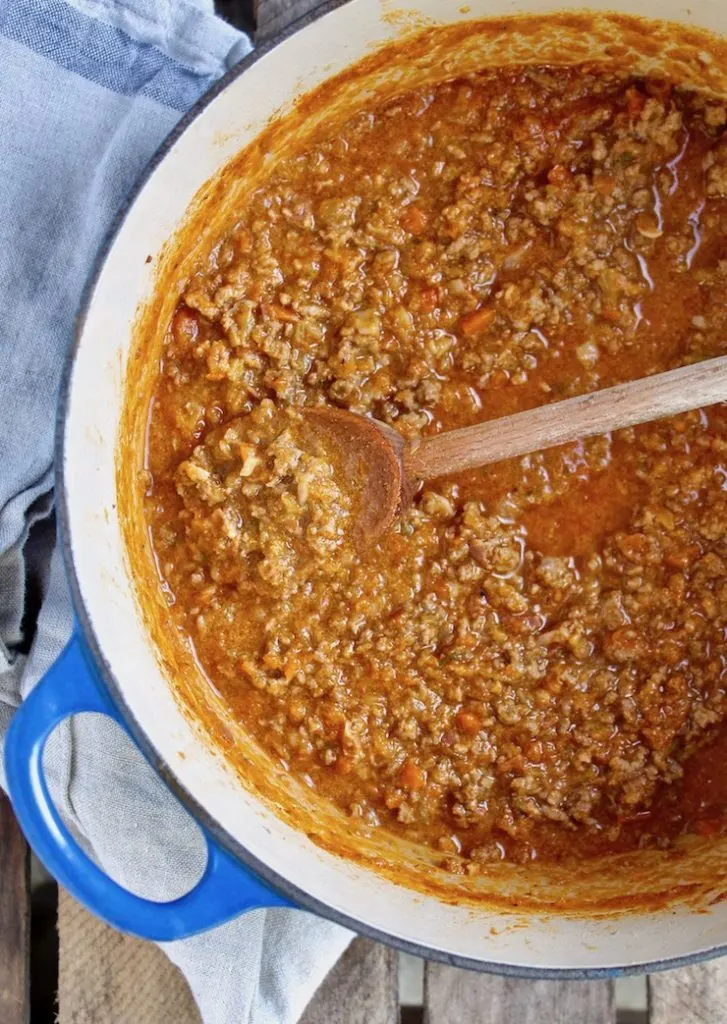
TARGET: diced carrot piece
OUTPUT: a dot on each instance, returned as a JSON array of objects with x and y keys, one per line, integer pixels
[
  {"x": 468, "y": 723},
  {"x": 559, "y": 175},
  {"x": 682, "y": 558},
  {"x": 604, "y": 184},
  {"x": 343, "y": 764},
  {"x": 613, "y": 316},
  {"x": 708, "y": 827},
  {"x": 291, "y": 668},
  {"x": 414, "y": 219},
  {"x": 428, "y": 299},
  {"x": 635, "y": 101},
  {"x": 478, "y": 321},
  {"x": 411, "y": 776},
  {"x": 288, "y": 316},
  {"x": 516, "y": 763}
]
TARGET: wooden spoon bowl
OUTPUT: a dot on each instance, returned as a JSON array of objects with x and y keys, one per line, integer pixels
[{"x": 388, "y": 470}]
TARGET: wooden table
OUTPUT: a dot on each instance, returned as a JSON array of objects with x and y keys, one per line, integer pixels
[
  {"x": 363, "y": 987},
  {"x": 14, "y": 919}
]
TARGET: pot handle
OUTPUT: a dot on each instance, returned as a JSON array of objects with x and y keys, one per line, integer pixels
[{"x": 226, "y": 888}]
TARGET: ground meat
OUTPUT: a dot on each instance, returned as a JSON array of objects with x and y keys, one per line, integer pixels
[{"x": 527, "y": 663}]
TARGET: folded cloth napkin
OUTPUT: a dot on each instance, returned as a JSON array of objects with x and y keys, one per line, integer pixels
[{"x": 89, "y": 88}]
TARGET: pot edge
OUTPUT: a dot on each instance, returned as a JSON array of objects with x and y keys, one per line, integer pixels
[{"x": 108, "y": 679}]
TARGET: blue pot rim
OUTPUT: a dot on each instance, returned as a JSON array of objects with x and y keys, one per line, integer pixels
[{"x": 108, "y": 678}]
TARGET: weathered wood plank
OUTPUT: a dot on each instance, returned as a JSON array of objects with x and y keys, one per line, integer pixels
[
  {"x": 106, "y": 977},
  {"x": 690, "y": 995},
  {"x": 453, "y": 996},
  {"x": 363, "y": 988},
  {"x": 272, "y": 16},
  {"x": 14, "y": 919}
]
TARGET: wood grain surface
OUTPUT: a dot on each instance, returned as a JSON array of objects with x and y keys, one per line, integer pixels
[
  {"x": 106, "y": 977},
  {"x": 363, "y": 988},
  {"x": 14, "y": 919},
  {"x": 272, "y": 16},
  {"x": 690, "y": 995},
  {"x": 453, "y": 996}
]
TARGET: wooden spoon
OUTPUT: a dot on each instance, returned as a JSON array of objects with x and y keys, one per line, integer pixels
[{"x": 390, "y": 469}]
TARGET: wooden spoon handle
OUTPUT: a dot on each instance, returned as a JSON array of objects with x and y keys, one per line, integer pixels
[{"x": 640, "y": 401}]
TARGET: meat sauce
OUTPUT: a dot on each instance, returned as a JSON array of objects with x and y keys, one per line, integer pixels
[{"x": 531, "y": 663}]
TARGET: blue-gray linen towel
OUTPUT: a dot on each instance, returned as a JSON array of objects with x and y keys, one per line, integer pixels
[{"x": 88, "y": 89}]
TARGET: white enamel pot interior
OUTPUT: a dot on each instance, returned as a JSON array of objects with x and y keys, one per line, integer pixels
[{"x": 104, "y": 592}]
